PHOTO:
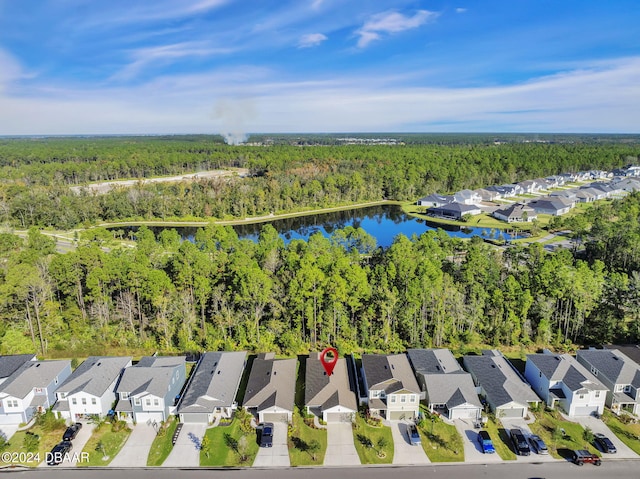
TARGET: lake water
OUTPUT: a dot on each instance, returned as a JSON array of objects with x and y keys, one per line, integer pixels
[{"x": 383, "y": 222}]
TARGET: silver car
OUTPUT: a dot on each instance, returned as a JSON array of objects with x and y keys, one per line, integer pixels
[{"x": 538, "y": 445}]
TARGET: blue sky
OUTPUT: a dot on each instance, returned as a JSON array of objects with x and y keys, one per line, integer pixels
[{"x": 238, "y": 66}]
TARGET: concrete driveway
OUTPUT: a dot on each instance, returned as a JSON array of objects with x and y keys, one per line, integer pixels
[
  {"x": 278, "y": 454},
  {"x": 472, "y": 451},
  {"x": 519, "y": 423},
  {"x": 340, "y": 448},
  {"x": 135, "y": 451},
  {"x": 186, "y": 452},
  {"x": 8, "y": 430},
  {"x": 78, "y": 445},
  {"x": 596, "y": 425},
  {"x": 403, "y": 452}
]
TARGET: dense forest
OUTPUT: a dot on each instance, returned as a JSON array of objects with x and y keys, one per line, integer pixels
[
  {"x": 220, "y": 292},
  {"x": 36, "y": 174}
]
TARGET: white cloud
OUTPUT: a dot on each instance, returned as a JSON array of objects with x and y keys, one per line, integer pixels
[
  {"x": 315, "y": 4},
  {"x": 391, "y": 22},
  {"x": 461, "y": 10},
  {"x": 311, "y": 40}
]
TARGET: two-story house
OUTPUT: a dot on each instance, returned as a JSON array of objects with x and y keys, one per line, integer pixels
[
  {"x": 31, "y": 389},
  {"x": 333, "y": 397},
  {"x": 560, "y": 380},
  {"x": 148, "y": 391},
  {"x": 271, "y": 388},
  {"x": 10, "y": 364},
  {"x": 618, "y": 373},
  {"x": 90, "y": 390},
  {"x": 393, "y": 392}
]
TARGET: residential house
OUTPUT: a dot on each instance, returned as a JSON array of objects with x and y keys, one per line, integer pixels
[
  {"x": 487, "y": 195},
  {"x": 435, "y": 200},
  {"x": 10, "y": 364},
  {"x": 446, "y": 387},
  {"x": 392, "y": 390},
  {"x": 553, "y": 206},
  {"x": 554, "y": 181},
  {"x": 619, "y": 373},
  {"x": 587, "y": 195},
  {"x": 213, "y": 387},
  {"x": 454, "y": 211},
  {"x": 271, "y": 388},
  {"x": 502, "y": 386},
  {"x": 90, "y": 390},
  {"x": 628, "y": 170},
  {"x": 147, "y": 391},
  {"x": 332, "y": 398},
  {"x": 31, "y": 390},
  {"x": 515, "y": 213},
  {"x": 506, "y": 190},
  {"x": 561, "y": 380},
  {"x": 605, "y": 189},
  {"x": 467, "y": 197},
  {"x": 529, "y": 186},
  {"x": 627, "y": 185}
]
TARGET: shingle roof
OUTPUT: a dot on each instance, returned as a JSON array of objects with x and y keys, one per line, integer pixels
[
  {"x": 613, "y": 364},
  {"x": 515, "y": 210},
  {"x": 566, "y": 369},
  {"x": 451, "y": 389},
  {"x": 94, "y": 375},
  {"x": 214, "y": 382},
  {"x": 9, "y": 364},
  {"x": 328, "y": 391},
  {"x": 150, "y": 375},
  {"x": 390, "y": 373},
  {"x": 32, "y": 374},
  {"x": 434, "y": 361},
  {"x": 632, "y": 351},
  {"x": 271, "y": 383}
]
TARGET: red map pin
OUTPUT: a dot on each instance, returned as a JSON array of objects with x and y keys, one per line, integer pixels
[{"x": 329, "y": 362}]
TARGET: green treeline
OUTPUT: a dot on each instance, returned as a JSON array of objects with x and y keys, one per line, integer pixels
[
  {"x": 36, "y": 175},
  {"x": 220, "y": 292}
]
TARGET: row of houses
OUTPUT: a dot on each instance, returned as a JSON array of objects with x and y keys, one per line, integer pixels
[{"x": 391, "y": 386}]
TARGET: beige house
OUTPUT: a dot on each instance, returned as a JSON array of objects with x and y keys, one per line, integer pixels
[
  {"x": 271, "y": 388},
  {"x": 332, "y": 398}
]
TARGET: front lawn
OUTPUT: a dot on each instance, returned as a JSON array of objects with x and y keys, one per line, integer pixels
[
  {"x": 307, "y": 445},
  {"x": 162, "y": 444},
  {"x": 105, "y": 443},
  {"x": 441, "y": 441},
  {"x": 228, "y": 446},
  {"x": 627, "y": 433},
  {"x": 30, "y": 447},
  {"x": 550, "y": 425},
  {"x": 373, "y": 443},
  {"x": 500, "y": 439}
]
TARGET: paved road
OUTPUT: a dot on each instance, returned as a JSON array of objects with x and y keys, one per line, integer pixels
[
  {"x": 278, "y": 454},
  {"x": 136, "y": 450},
  {"x": 340, "y": 448},
  {"x": 403, "y": 452}
]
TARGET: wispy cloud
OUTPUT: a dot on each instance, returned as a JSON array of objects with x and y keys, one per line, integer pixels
[
  {"x": 391, "y": 22},
  {"x": 461, "y": 10},
  {"x": 311, "y": 40}
]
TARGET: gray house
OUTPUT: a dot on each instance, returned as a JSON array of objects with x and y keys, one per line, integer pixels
[
  {"x": 31, "y": 389},
  {"x": 10, "y": 364},
  {"x": 213, "y": 387},
  {"x": 554, "y": 206},
  {"x": 271, "y": 388},
  {"x": 147, "y": 391},
  {"x": 435, "y": 200},
  {"x": 332, "y": 398},
  {"x": 515, "y": 213},
  {"x": 506, "y": 392},
  {"x": 618, "y": 373},
  {"x": 446, "y": 387},
  {"x": 454, "y": 211}
]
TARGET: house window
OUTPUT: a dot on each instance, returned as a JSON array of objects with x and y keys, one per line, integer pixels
[
  {"x": 74, "y": 401},
  {"x": 124, "y": 395},
  {"x": 156, "y": 402},
  {"x": 56, "y": 380},
  {"x": 93, "y": 401},
  {"x": 403, "y": 398},
  {"x": 383, "y": 395},
  {"x": 148, "y": 402},
  {"x": 15, "y": 403},
  {"x": 375, "y": 394},
  {"x": 412, "y": 398},
  {"x": 136, "y": 401},
  {"x": 581, "y": 396},
  {"x": 393, "y": 398},
  {"x": 619, "y": 388},
  {"x": 594, "y": 371},
  {"x": 597, "y": 394},
  {"x": 627, "y": 389},
  {"x": 84, "y": 401}
]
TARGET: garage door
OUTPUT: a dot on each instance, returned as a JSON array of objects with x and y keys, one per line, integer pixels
[
  {"x": 275, "y": 417},
  {"x": 584, "y": 411},
  {"x": 400, "y": 415},
  {"x": 142, "y": 417},
  {"x": 10, "y": 419},
  {"x": 338, "y": 417},
  {"x": 511, "y": 412},
  {"x": 195, "y": 418},
  {"x": 464, "y": 413}
]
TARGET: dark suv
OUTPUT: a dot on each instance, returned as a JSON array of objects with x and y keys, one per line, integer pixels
[
  {"x": 266, "y": 435},
  {"x": 72, "y": 431},
  {"x": 604, "y": 443},
  {"x": 519, "y": 442},
  {"x": 581, "y": 456}
]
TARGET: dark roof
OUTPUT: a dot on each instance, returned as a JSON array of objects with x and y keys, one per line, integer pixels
[
  {"x": 214, "y": 383},
  {"x": 632, "y": 351},
  {"x": 515, "y": 210},
  {"x": 391, "y": 373},
  {"x": 10, "y": 364},
  {"x": 328, "y": 391},
  {"x": 94, "y": 375},
  {"x": 554, "y": 203},
  {"x": 271, "y": 383},
  {"x": 613, "y": 365},
  {"x": 433, "y": 361},
  {"x": 451, "y": 389},
  {"x": 566, "y": 369}
]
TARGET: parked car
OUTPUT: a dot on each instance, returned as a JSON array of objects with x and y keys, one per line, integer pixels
[
  {"x": 57, "y": 454},
  {"x": 72, "y": 431},
  {"x": 414, "y": 435},
  {"x": 266, "y": 435},
  {"x": 520, "y": 445},
  {"x": 581, "y": 456},
  {"x": 485, "y": 442},
  {"x": 538, "y": 445},
  {"x": 604, "y": 443}
]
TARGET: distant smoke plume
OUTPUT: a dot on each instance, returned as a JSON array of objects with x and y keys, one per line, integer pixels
[{"x": 233, "y": 116}]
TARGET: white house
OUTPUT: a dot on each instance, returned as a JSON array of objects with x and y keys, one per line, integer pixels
[
  {"x": 90, "y": 390},
  {"x": 560, "y": 380}
]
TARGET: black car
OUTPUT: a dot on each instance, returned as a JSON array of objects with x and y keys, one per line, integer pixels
[
  {"x": 604, "y": 443},
  {"x": 58, "y": 453},
  {"x": 266, "y": 435},
  {"x": 519, "y": 442},
  {"x": 72, "y": 431}
]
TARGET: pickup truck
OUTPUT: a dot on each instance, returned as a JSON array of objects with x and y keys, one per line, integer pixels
[
  {"x": 581, "y": 456},
  {"x": 485, "y": 442}
]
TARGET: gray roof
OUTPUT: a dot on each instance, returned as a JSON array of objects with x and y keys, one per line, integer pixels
[
  {"x": 32, "y": 374},
  {"x": 565, "y": 368},
  {"x": 434, "y": 361},
  {"x": 500, "y": 382},
  {"x": 151, "y": 375},
  {"x": 451, "y": 389},
  {"x": 390, "y": 373},
  {"x": 552, "y": 203},
  {"x": 454, "y": 207},
  {"x": 328, "y": 391},
  {"x": 94, "y": 375},
  {"x": 612, "y": 364},
  {"x": 515, "y": 210},
  {"x": 10, "y": 364},
  {"x": 271, "y": 383},
  {"x": 214, "y": 383},
  {"x": 632, "y": 351}
]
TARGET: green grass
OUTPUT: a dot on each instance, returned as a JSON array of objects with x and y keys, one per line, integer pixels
[
  {"x": 500, "y": 439},
  {"x": 223, "y": 450},
  {"x": 441, "y": 441},
  {"x": 301, "y": 436},
  {"x": 627, "y": 433},
  {"x": 48, "y": 439},
  {"x": 370, "y": 454},
  {"x": 162, "y": 444},
  {"x": 559, "y": 447},
  {"x": 111, "y": 441}
]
